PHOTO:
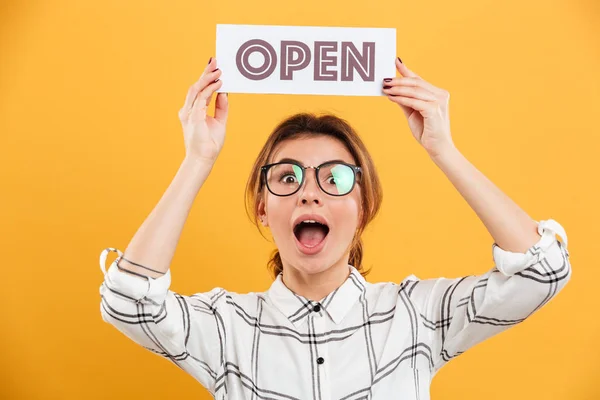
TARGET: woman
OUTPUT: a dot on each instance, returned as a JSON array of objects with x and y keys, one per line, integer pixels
[{"x": 321, "y": 331}]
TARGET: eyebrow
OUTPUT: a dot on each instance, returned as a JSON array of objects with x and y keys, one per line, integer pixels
[{"x": 296, "y": 161}]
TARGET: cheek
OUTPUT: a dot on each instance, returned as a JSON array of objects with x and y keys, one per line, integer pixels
[
  {"x": 279, "y": 211},
  {"x": 347, "y": 216}
]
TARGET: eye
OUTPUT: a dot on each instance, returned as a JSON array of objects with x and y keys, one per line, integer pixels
[
  {"x": 288, "y": 178},
  {"x": 330, "y": 180}
]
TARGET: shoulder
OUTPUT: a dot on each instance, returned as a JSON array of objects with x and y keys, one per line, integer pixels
[
  {"x": 221, "y": 298},
  {"x": 391, "y": 286},
  {"x": 410, "y": 288},
  {"x": 389, "y": 292}
]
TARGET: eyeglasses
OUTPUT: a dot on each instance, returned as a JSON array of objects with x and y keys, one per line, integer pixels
[{"x": 334, "y": 177}]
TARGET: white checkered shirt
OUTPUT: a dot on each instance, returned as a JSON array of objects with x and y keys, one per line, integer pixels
[{"x": 362, "y": 341}]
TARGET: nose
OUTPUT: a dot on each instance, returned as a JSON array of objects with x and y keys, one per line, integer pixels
[{"x": 310, "y": 193}]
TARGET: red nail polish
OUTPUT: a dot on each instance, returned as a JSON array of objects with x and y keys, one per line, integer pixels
[
  {"x": 387, "y": 80},
  {"x": 209, "y": 60},
  {"x": 216, "y": 70},
  {"x": 387, "y": 87},
  {"x": 400, "y": 60}
]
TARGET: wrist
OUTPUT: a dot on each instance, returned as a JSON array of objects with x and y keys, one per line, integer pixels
[
  {"x": 446, "y": 155},
  {"x": 195, "y": 163},
  {"x": 195, "y": 171}
]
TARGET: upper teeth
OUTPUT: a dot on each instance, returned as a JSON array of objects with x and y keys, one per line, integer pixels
[{"x": 312, "y": 221}]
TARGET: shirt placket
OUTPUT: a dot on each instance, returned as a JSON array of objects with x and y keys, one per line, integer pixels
[{"x": 322, "y": 361}]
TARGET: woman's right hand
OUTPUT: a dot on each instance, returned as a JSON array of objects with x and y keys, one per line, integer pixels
[{"x": 204, "y": 135}]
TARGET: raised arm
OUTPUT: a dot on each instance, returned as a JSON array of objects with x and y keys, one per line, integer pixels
[
  {"x": 531, "y": 265},
  {"x": 426, "y": 109},
  {"x": 135, "y": 295},
  {"x": 152, "y": 247}
]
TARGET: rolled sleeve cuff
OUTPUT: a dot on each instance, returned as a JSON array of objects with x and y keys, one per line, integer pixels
[
  {"x": 509, "y": 263},
  {"x": 133, "y": 287}
]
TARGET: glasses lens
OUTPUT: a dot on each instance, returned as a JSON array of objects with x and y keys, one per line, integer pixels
[
  {"x": 336, "y": 179},
  {"x": 284, "y": 179}
]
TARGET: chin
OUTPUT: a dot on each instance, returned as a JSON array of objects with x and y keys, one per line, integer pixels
[
  {"x": 314, "y": 263},
  {"x": 313, "y": 260},
  {"x": 312, "y": 266}
]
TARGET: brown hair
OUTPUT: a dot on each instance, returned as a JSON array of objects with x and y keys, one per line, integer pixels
[{"x": 307, "y": 124}]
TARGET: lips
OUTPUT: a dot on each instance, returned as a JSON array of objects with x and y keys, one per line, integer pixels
[
  {"x": 314, "y": 217},
  {"x": 310, "y": 233}
]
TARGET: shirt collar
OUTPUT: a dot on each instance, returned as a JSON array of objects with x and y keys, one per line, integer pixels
[{"x": 337, "y": 303}]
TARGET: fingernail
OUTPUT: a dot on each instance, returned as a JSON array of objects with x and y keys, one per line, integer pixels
[
  {"x": 216, "y": 70},
  {"x": 216, "y": 80},
  {"x": 387, "y": 87},
  {"x": 387, "y": 80},
  {"x": 209, "y": 60},
  {"x": 400, "y": 60}
]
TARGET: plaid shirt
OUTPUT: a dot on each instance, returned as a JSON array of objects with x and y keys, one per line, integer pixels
[{"x": 362, "y": 341}]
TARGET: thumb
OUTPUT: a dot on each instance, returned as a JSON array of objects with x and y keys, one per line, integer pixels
[{"x": 222, "y": 107}]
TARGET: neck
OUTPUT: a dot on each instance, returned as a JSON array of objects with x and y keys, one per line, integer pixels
[{"x": 316, "y": 286}]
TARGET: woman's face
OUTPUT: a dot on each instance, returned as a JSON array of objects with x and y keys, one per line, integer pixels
[{"x": 302, "y": 248}]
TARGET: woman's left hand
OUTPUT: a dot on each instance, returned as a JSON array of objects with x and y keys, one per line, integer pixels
[{"x": 425, "y": 107}]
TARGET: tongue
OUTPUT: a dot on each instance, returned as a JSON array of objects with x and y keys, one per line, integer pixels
[{"x": 310, "y": 236}]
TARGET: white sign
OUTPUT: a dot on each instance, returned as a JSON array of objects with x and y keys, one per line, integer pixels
[{"x": 305, "y": 59}]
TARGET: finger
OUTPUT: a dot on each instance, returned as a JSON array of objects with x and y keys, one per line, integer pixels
[
  {"x": 222, "y": 107},
  {"x": 208, "y": 79},
  {"x": 411, "y": 81},
  {"x": 403, "y": 69},
  {"x": 207, "y": 92},
  {"x": 212, "y": 65},
  {"x": 211, "y": 95},
  {"x": 424, "y": 107},
  {"x": 193, "y": 91},
  {"x": 410, "y": 91},
  {"x": 198, "y": 86},
  {"x": 196, "y": 113},
  {"x": 200, "y": 107},
  {"x": 407, "y": 110}
]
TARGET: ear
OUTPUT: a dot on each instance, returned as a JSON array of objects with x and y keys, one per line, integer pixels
[{"x": 262, "y": 212}]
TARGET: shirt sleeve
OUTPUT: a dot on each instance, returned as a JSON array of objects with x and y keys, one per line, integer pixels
[
  {"x": 187, "y": 330},
  {"x": 460, "y": 313}
]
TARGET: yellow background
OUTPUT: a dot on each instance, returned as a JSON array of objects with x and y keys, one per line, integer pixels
[{"x": 90, "y": 139}]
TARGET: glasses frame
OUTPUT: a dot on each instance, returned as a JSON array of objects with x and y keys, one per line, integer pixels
[{"x": 265, "y": 169}]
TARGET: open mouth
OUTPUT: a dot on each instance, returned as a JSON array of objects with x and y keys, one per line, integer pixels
[{"x": 311, "y": 233}]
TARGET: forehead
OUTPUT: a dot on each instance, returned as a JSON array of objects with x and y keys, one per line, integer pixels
[{"x": 312, "y": 150}]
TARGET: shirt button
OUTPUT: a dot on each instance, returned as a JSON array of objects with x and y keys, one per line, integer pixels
[
  {"x": 317, "y": 308},
  {"x": 320, "y": 360}
]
